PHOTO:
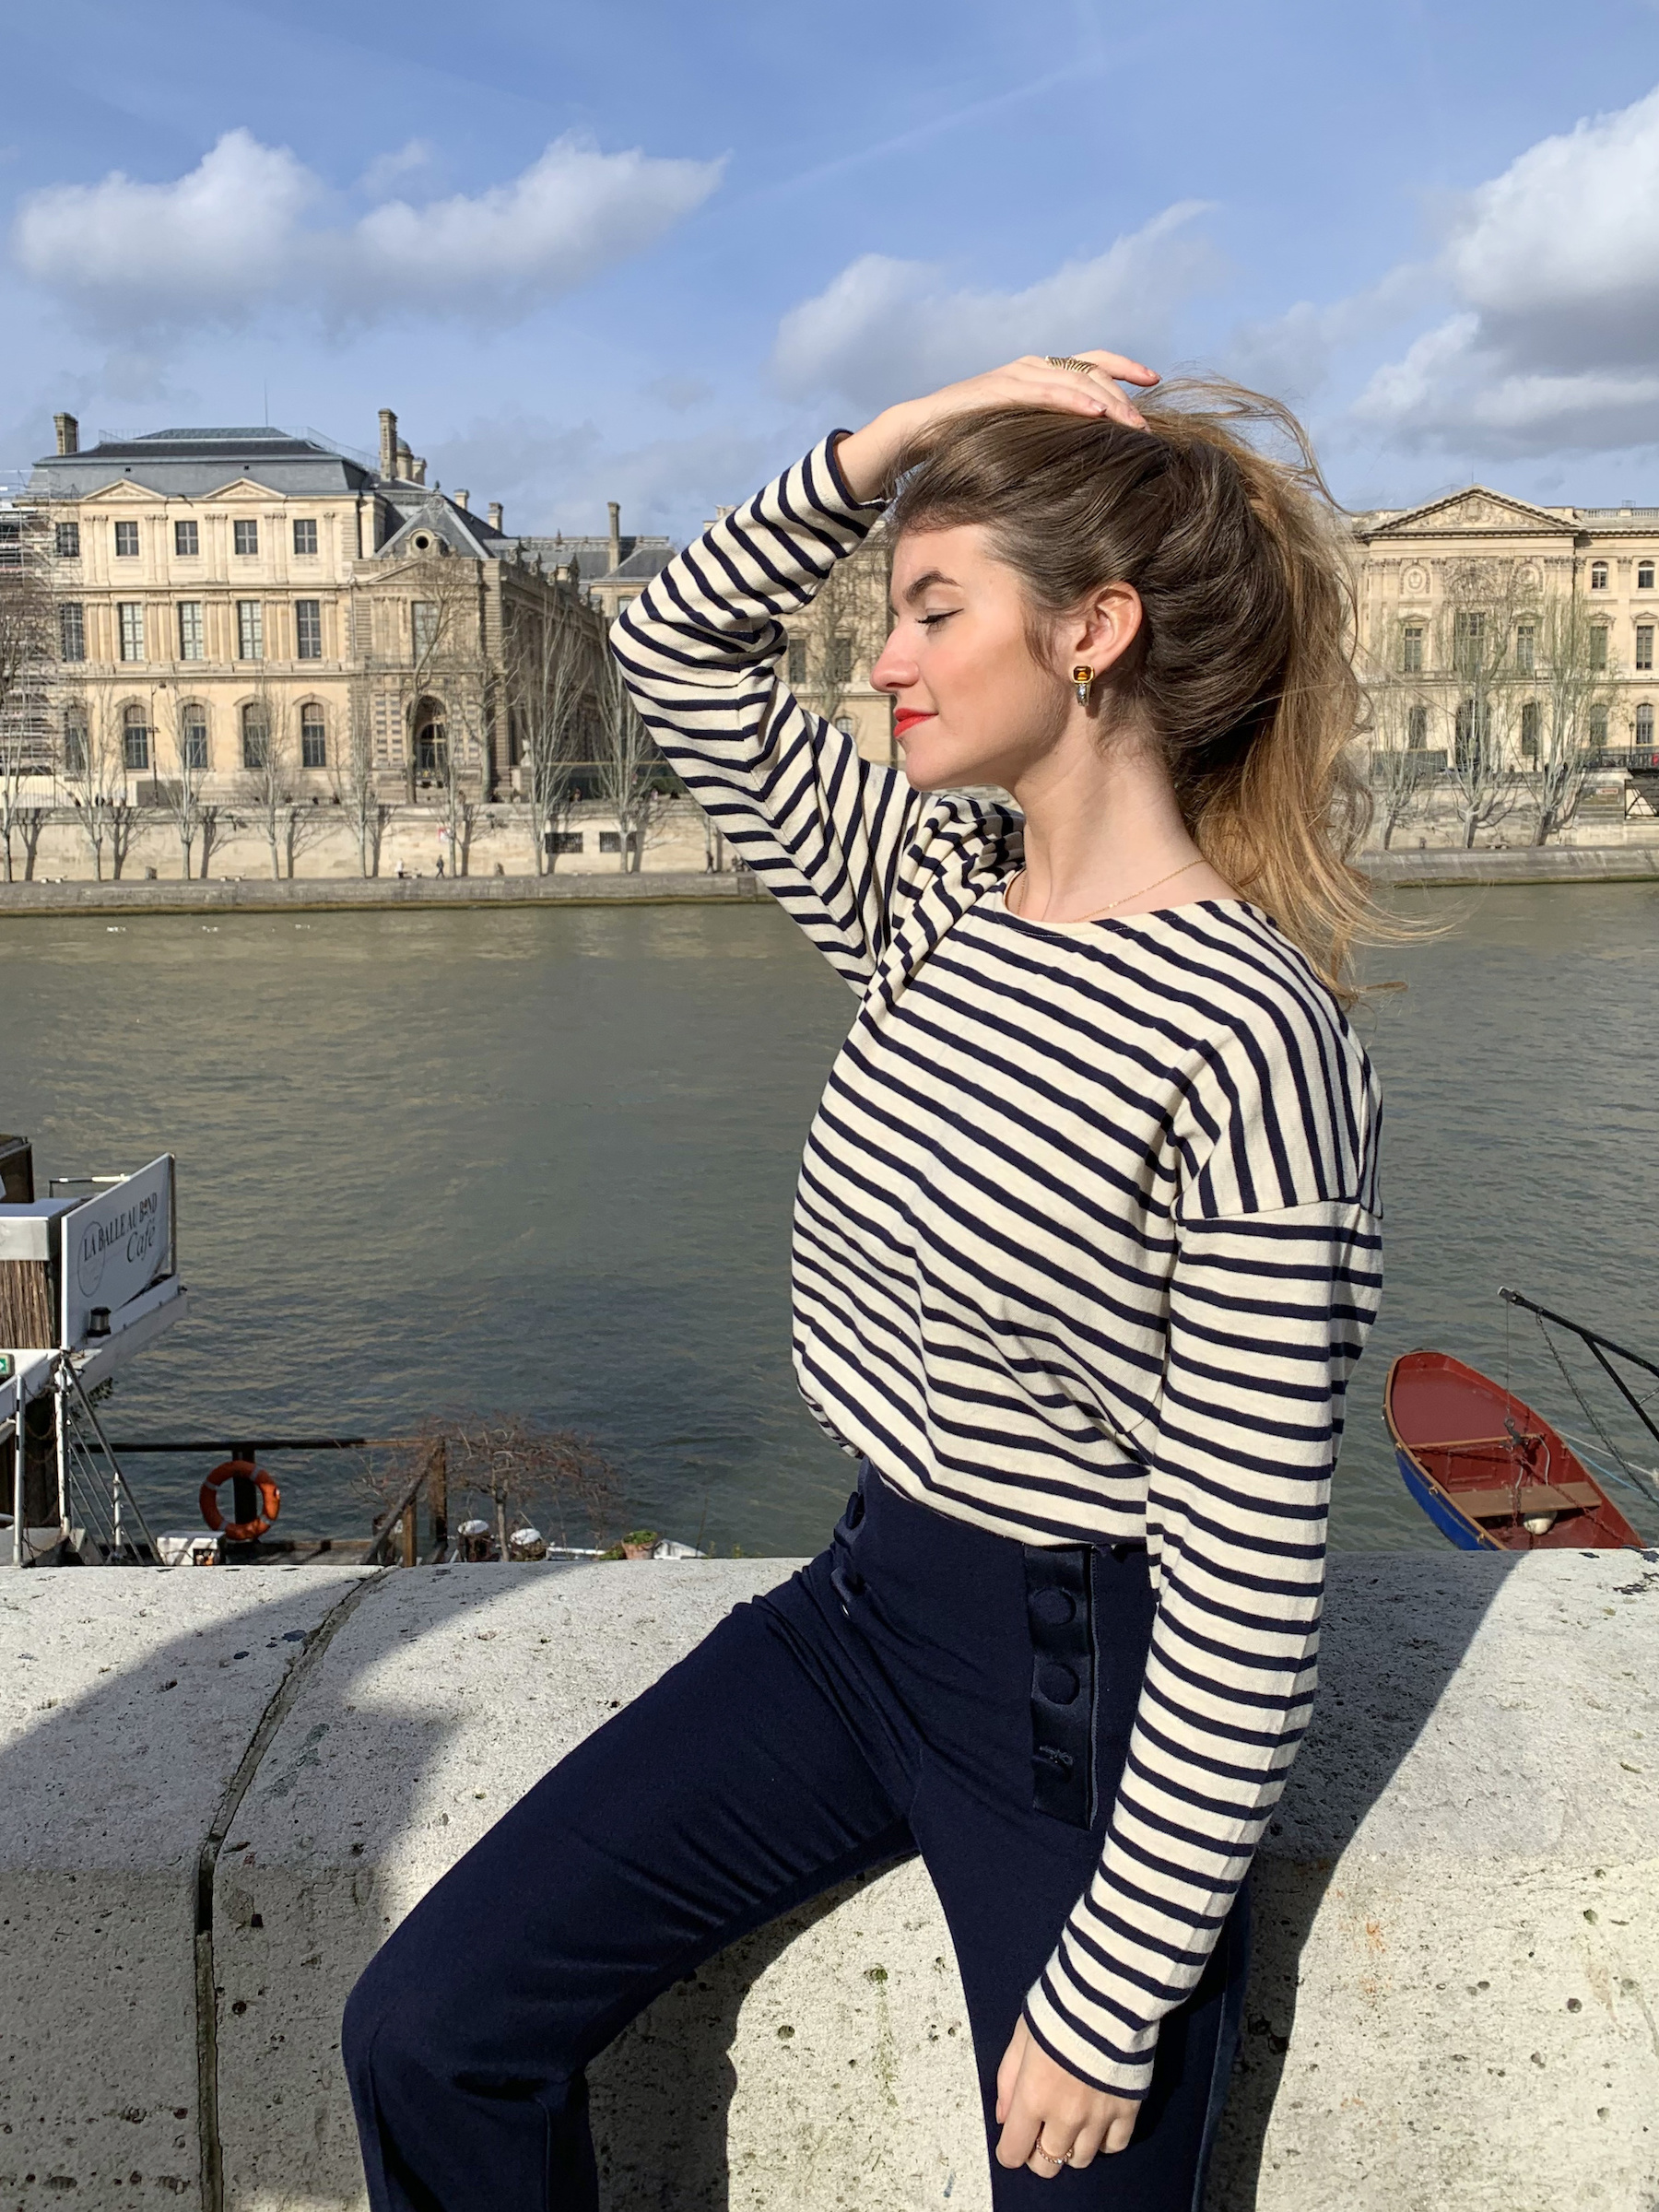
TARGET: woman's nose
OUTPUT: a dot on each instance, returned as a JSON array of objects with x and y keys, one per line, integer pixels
[{"x": 893, "y": 671}]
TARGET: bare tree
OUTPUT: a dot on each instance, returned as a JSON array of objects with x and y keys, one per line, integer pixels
[
  {"x": 554, "y": 675},
  {"x": 26, "y": 655},
  {"x": 1573, "y": 691},
  {"x": 628, "y": 768},
  {"x": 516, "y": 1469},
  {"x": 1486, "y": 603},
  {"x": 93, "y": 769},
  {"x": 355, "y": 785},
  {"x": 1402, "y": 767},
  {"x": 843, "y": 629},
  {"x": 187, "y": 743},
  {"x": 266, "y": 786}
]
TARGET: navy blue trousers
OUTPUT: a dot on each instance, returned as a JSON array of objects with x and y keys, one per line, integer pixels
[{"x": 920, "y": 1686}]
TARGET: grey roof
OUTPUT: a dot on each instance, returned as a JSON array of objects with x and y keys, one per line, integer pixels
[
  {"x": 432, "y": 513},
  {"x": 641, "y": 556},
  {"x": 191, "y": 463}
]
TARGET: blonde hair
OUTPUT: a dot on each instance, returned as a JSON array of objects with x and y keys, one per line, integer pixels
[{"x": 1243, "y": 671}]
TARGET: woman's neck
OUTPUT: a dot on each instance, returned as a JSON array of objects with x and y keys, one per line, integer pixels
[{"x": 1102, "y": 827}]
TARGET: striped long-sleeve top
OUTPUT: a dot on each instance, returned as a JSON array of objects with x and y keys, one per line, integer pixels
[{"x": 1086, "y": 1240}]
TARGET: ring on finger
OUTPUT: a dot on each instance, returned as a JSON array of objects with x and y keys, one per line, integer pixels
[{"x": 1054, "y": 2158}]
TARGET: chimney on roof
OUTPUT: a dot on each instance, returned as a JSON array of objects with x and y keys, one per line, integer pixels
[
  {"x": 461, "y": 499},
  {"x": 406, "y": 463},
  {"x": 615, "y": 534},
  {"x": 495, "y": 515},
  {"x": 69, "y": 433},
  {"x": 388, "y": 453},
  {"x": 418, "y": 468}
]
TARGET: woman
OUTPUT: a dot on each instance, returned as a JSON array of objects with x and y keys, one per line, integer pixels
[{"x": 1086, "y": 1247}]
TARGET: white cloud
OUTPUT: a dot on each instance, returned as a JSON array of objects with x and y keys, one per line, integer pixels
[
  {"x": 251, "y": 227},
  {"x": 884, "y": 328},
  {"x": 1553, "y": 284}
]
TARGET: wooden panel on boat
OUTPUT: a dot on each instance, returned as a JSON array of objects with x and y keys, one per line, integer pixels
[{"x": 1536, "y": 1497}]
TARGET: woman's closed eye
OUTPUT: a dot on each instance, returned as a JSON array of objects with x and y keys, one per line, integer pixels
[{"x": 929, "y": 621}]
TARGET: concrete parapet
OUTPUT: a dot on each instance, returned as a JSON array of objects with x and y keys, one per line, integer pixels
[
  {"x": 1453, "y": 2002},
  {"x": 1428, "y": 869}
]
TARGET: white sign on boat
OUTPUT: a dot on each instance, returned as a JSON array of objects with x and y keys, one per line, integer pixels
[{"x": 115, "y": 1246}]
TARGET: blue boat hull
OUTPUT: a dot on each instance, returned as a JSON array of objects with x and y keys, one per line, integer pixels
[{"x": 1445, "y": 1516}]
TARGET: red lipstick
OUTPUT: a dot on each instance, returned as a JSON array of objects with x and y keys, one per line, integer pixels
[{"x": 907, "y": 718}]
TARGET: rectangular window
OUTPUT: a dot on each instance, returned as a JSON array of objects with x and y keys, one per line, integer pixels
[
  {"x": 132, "y": 629},
  {"x": 423, "y": 615},
  {"x": 187, "y": 539},
  {"x": 72, "y": 631},
  {"x": 194, "y": 742},
  {"x": 797, "y": 660},
  {"x": 68, "y": 541},
  {"x": 1526, "y": 647},
  {"x": 1468, "y": 643},
  {"x": 563, "y": 840},
  {"x": 1530, "y": 720},
  {"x": 126, "y": 541},
  {"x": 250, "y": 631},
  {"x": 189, "y": 630},
  {"x": 1598, "y": 727},
  {"x": 305, "y": 538},
  {"x": 1644, "y": 646},
  {"x": 1598, "y": 647},
  {"x": 74, "y": 748},
  {"x": 308, "y": 629},
  {"x": 1411, "y": 649},
  {"x": 611, "y": 840},
  {"x": 256, "y": 752},
  {"x": 1417, "y": 727},
  {"x": 11, "y": 542},
  {"x": 313, "y": 739},
  {"x": 135, "y": 746},
  {"x": 840, "y": 660},
  {"x": 245, "y": 536}
]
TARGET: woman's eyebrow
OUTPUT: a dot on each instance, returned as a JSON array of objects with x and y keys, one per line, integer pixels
[{"x": 913, "y": 592}]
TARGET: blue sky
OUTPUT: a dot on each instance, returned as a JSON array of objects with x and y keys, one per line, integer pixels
[{"x": 648, "y": 254}]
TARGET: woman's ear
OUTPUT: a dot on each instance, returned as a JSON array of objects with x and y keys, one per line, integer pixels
[{"x": 1104, "y": 629}]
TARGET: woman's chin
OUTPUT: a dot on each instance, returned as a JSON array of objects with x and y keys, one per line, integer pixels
[{"x": 930, "y": 768}]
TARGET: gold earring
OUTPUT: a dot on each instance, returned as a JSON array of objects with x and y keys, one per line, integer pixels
[{"x": 1082, "y": 675}]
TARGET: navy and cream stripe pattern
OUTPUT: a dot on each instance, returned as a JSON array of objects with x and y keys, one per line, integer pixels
[{"x": 1086, "y": 1237}]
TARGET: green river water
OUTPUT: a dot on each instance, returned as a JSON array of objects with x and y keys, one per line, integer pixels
[{"x": 542, "y": 1162}]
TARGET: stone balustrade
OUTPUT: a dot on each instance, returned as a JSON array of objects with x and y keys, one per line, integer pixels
[{"x": 221, "y": 1788}]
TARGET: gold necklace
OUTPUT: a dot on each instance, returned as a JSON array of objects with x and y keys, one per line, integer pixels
[{"x": 1115, "y": 903}]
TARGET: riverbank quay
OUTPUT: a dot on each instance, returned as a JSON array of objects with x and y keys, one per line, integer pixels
[
  {"x": 312, "y": 895},
  {"x": 1427, "y": 870},
  {"x": 225, "y": 1787}
]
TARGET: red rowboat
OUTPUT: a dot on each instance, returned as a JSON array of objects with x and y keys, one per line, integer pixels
[{"x": 1490, "y": 1473}]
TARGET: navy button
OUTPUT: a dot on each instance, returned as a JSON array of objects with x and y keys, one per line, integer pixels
[
  {"x": 1053, "y": 1607},
  {"x": 851, "y": 1582},
  {"x": 856, "y": 1508},
  {"x": 1057, "y": 1684}
]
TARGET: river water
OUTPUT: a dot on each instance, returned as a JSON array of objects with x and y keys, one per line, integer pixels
[{"x": 541, "y": 1161}]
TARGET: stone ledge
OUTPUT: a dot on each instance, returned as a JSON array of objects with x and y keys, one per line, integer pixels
[
  {"x": 1430, "y": 869},
  {"x": 326, "y": 894},
  {"x": 1458, "y": 1970}
]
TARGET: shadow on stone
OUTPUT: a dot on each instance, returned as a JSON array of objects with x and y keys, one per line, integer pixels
[{"x": 1396, "y": 1631}]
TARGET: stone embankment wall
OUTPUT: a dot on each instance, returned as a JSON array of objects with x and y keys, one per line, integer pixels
[
  {"x": 1419, "y": 870},
  {"x": 222, "y": 1788}
]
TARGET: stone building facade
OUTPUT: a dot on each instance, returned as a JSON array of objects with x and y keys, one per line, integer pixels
[
  {"x": 1410, "y": 569},
  {"x": 221, "y": 591}
]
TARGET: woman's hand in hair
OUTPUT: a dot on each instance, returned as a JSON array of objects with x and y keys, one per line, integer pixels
[
  {"x": 867, "y": 459},
  {"x": 1039, "y": 2102}
]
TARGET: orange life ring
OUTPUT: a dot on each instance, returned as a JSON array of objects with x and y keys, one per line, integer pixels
[{"x": 270, "y": 1499}]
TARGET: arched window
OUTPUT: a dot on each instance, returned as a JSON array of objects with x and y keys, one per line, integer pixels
[
  {"x": 431, "y": 740},
  {"x": 1530, "y": 720},
  {"x": 255, "y": 737},
  {"x": 313, "y": 736},
  {"x": 1411, "y": 649},
  {"x": 1598, "y": 728},
  {"x": 1644, "y": 727},
  {"x": 1474, "y": 724},
  {"x": 1598, "y": 575},
  {"x": 1644, "y": 575},
  {"x": 136, "y": 739},
  {"x": 193, "y": 739},
  {"x": 75, "y": 744}
]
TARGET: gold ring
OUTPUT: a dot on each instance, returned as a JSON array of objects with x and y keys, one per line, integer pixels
[
  {"x": 1070, "y": 360},
  {"x": 1061, "y": 2158}
]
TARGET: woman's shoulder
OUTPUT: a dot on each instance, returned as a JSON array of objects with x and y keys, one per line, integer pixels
[{"x": 1285, "y": 1104}]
